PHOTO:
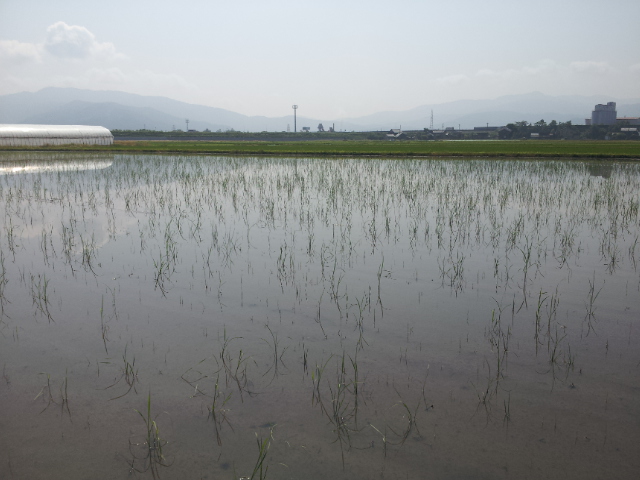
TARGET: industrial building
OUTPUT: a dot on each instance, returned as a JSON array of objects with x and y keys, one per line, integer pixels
[
  {"x": 604, "y": 114},
  {"x": 628, "y": 120},
  {"x": 39, "y": 135}
]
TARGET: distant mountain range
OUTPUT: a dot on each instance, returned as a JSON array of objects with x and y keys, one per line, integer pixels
[{"x": 126, "y": 111}]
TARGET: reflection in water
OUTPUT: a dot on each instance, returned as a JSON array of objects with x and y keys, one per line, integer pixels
[
  {"x": 603, "y": 170},
  {"x": 21, "y": 162},
  {"x": 54, "y": 167},
  {"x": 359, "y": 318}
]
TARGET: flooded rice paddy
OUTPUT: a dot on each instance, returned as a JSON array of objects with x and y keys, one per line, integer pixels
[{"x": 209, "y": 317}]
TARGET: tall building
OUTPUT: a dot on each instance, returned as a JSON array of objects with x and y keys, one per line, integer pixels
[{"x": 604, "y": 114}]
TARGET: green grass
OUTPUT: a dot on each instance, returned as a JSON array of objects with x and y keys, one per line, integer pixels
[{"x": 471, "y": 148}]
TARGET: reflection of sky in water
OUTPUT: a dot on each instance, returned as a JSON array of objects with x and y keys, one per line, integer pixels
[
  {"x": 39, "y": 162},
  {"x": 54, "y": 167},
  {"x": 442, "y": 278}
]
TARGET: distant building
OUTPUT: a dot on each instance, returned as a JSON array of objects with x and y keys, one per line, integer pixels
[
  {"x": 486, "y": 129},
  {"x": 395, "y": 133},
  {"x": 604, "y": 114},
  {"x": 629, "y": 120}
]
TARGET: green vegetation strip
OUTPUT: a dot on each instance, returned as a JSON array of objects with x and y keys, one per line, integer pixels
[{"x": 522, "y": 148}]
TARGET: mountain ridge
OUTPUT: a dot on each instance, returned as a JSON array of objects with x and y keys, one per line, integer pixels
[{"x": 126, "y": 111}]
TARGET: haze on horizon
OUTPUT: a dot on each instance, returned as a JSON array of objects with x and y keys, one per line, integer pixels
[{"x": 334, "y": 59}]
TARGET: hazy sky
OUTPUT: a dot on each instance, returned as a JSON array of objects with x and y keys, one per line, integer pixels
[{"x": 333, "y": 58}]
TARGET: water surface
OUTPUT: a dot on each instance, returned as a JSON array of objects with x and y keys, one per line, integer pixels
[{"x": 337, "y": 318}]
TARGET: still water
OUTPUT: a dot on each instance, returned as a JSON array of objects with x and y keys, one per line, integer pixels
[{"x": 213, "y": 317}]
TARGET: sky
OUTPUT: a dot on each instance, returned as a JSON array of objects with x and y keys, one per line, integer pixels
[{"x": 335, "y": 59}]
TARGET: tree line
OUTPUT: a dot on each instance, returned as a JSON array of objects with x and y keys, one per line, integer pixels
[{"x": 566, "y": 131}]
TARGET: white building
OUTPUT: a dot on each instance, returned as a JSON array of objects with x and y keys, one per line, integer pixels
[{"x": 39, "y": 135}]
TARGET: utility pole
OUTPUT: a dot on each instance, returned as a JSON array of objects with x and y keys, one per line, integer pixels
[
  {"x": 295, "y": 107},
  {"x": 187, "y": 120}
]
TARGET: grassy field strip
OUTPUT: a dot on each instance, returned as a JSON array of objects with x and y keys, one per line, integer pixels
[{"x": 534, "y": 148}]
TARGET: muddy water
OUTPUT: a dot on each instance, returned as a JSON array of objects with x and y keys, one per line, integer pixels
[{"x": 319, "y": 318}]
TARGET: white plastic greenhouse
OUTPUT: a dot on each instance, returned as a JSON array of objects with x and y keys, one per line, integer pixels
[{"x": 38, "y": 135}]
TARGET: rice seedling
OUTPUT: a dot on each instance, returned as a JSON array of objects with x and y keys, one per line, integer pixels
[
  {"x": 260, "y": 469},
  {"x": 316, "y": 378},
  {"x": 507, "y": 410},
  {"x": 217, "y": 412},
  {"x": 161, "y": 275},
  {"x": 499, "y": 341},
  {"x": 129, "y": 374},
  {"x": 590, "y": 317},
  {"x": 526, "y": 257},
  {"x": 64, "y": 396},
  {"x": 485, "y": 395},
  {"x": 40, "y": 295},
  {"x": 341, "y": 412},
  {"x": 362, "y": 304},
  {"x": 11, "y": 240},
  {"x": 318, "y": 318},
  {"x": 339, "y": 400},
  {"x": 538, "y": 328},
  {"x": 47, "y": 395},
  {"x": 277, "y": 354},
  {"x": 88, "y": 246},
  {"x": 383, "y": 437},
  {"x": 305, "y": 363},
  {"x": 3, "y": 283},
  {"x": 150, "y": 451},
  {"x": 235, "y": 370}
]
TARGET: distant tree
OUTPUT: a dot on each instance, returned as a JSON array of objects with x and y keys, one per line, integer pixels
[
  {"x": 596, "y": 132},
  {"x": 540, "y": 123},
  {"x": 553, "y": 123}
]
